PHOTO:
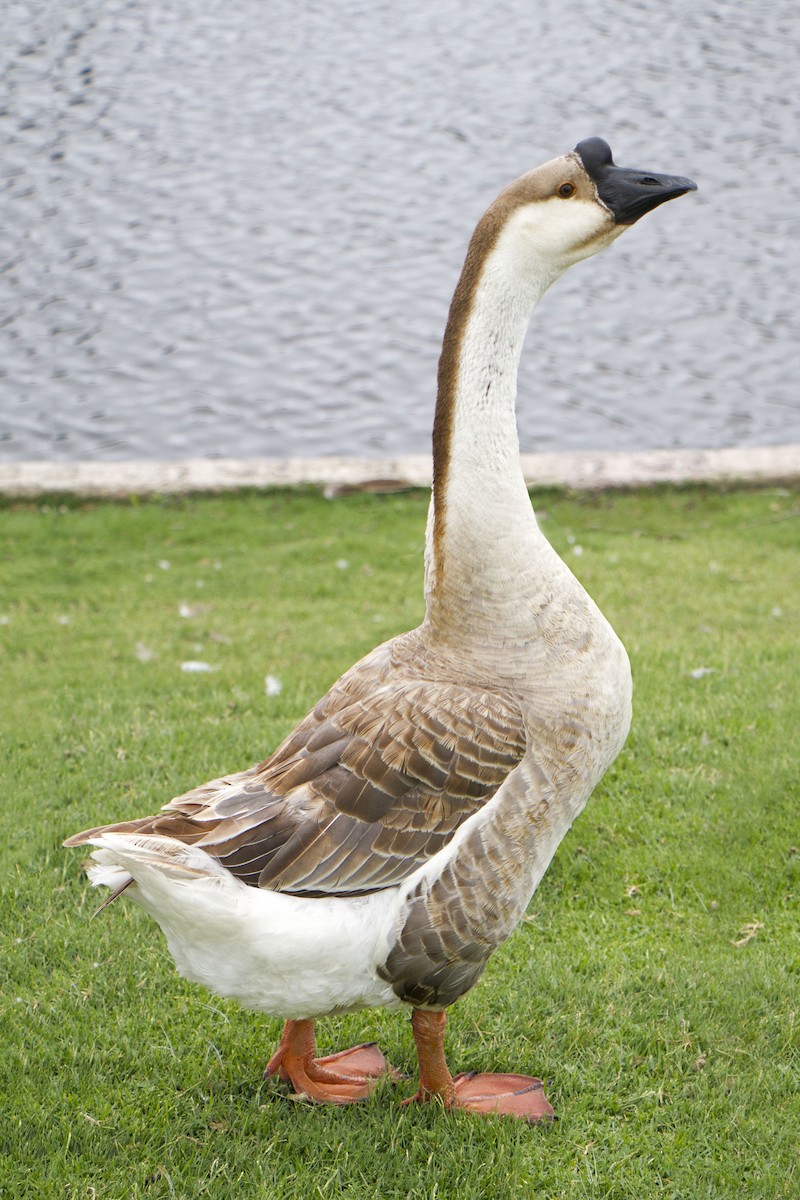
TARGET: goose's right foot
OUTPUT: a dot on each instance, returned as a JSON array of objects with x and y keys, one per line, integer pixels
[
  {"x": 502, "y": 1095},
  {"x": 341, "y": 1078}
]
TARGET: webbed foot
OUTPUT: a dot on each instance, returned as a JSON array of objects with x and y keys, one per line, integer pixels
[{"x": 340, "y": 1078}]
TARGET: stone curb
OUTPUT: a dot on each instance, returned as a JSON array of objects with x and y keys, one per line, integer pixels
[{"x": 582, "y": 471}]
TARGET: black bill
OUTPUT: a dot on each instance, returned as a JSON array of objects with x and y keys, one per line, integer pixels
[{"x": 628, "y": 193}]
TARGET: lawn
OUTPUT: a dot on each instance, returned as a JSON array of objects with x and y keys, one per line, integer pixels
[{"x": 655, "y": 983}]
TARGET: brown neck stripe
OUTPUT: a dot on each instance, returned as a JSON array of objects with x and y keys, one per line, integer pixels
[{"x": 481, "y": 245}]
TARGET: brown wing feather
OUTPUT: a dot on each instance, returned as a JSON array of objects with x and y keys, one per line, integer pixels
[{"x": 370, "y": 784}]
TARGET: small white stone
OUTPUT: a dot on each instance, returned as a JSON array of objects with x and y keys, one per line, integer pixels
[
  {"x": 62, "y": 620},
  {"x": 194, "y": 667},
  {"x": 164, "y": 564},
  {"x": 342, "y": 564}
]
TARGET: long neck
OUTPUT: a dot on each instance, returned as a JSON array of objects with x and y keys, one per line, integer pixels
[{"x": 485, "y": 554}]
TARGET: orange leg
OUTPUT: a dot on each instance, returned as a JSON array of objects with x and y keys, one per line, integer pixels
[
  {"x": 339, "y": 1078},
  {"x": 509, "y": 1095}
]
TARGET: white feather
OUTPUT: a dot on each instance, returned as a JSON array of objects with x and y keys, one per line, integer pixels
[{"x": 288, "y": 956}]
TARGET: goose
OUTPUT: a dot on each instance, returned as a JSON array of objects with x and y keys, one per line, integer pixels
[{"x": 393, "y": 841}]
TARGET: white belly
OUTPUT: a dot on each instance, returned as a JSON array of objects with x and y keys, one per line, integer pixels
[{"x": 288, "y": 956}]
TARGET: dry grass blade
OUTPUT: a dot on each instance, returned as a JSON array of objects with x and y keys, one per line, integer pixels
[{"x": 748, "y": 931}]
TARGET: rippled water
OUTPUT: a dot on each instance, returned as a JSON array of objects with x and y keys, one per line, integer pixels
[{"x": 233, "y": 229}]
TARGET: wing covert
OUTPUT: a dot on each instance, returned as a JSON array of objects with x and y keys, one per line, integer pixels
[{"x": 372, "y": 783}]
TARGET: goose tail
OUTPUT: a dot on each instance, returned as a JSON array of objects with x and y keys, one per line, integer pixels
[{"x": 150, "y": 865}]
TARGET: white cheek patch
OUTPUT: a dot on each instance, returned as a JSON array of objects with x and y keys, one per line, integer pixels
[{"x": 564, "y": 231}]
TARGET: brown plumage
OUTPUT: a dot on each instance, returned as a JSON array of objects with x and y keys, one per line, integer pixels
[{"x": 372, "y": 783}]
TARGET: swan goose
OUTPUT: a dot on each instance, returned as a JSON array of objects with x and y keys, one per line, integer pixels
[{"x": 395, "y": 838}]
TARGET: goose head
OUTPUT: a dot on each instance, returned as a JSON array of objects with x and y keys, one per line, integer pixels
[{"x": 575, "y": 205}]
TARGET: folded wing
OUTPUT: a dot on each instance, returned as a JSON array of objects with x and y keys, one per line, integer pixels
[{"x": 375, "y": 780}]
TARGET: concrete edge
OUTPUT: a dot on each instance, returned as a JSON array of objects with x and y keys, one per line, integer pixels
[{"x": 582, "y": 471}]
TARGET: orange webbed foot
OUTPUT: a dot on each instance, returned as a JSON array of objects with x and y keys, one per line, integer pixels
[
  {"x": 363, "y": 1062},
  {"x": 519, "y": 1096},
  {"x": 341, "y": 1078},
  {"x": 504, "y": 1095}
]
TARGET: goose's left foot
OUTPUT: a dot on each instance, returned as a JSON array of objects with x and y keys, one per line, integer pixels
[
  {"x": 507, "y": 1095},
  {"x": 341, "y": 1078},
  {"x": 504, "y": 1095}
]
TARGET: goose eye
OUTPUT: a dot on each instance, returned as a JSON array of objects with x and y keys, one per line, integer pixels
[{"x": 566, "y": 190}]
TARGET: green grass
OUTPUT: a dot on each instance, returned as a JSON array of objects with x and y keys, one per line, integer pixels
[{"x": 671, "y": 1052}]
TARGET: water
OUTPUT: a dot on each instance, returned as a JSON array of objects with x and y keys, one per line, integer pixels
[{"x": 234, "y": 229}]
